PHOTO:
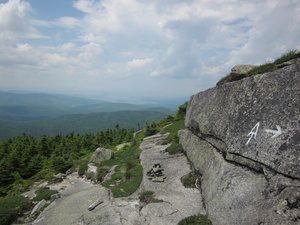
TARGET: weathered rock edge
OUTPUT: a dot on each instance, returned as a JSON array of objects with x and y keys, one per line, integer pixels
[{"x": 243, "y": 138}]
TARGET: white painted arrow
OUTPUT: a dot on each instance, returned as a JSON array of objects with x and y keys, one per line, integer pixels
[{"x": 275, "y": 132}]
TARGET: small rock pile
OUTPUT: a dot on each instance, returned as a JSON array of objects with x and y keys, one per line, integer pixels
[{"x": 156, "y": 174}]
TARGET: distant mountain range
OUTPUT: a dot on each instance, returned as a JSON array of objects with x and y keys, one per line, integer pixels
[{"x": 50, "y": 114}]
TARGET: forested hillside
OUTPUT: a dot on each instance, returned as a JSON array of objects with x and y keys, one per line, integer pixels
[
  {"x": 35, "y": 107},
  {"x": 80, "y": 123},
  {"x": 24, "y": 156},
  {"x": 26, "y": 161},
  {"x": 36, "y": 114}
]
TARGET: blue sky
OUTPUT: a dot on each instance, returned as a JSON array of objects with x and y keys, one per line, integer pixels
[{"x": 132, "y": 50}]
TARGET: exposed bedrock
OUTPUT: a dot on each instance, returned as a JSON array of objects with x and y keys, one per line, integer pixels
[{"x": 243, "y": 138}]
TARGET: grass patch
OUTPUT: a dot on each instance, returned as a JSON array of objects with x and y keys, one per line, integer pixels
[
  {"x": 83, "y": 167},
  {"x": 189, "y": 180},
  {"x": 292, "y": 54},
  {"x": 195, "y": 220},
  {"x": 225, "y": 79},
  {"x": 263, "y": 68},
  {"x": 147, "y": 197},
  {"x": 174, "y": 149},
  {"x": 173, "y": 138},
  {"x": 128, "y": 174},
  {"x": 267, "y": 67},
  {"x": 126, "y": 154},
  {"x": 43, "y": 194},
  {"x": 270, "y": 67},
  {"x": 173, "y": 130},
  {"x": 174, "y": 127},
  {"x": 11, "y": 208},
  {"x": 128, "y": 186}
]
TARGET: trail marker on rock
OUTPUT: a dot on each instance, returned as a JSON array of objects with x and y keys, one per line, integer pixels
[
  {"x": 275, "y": 132},
  {"x": 253, "y": 132}
]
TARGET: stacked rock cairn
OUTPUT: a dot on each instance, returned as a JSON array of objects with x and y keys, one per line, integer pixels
[{"x": 156, "y": 174}]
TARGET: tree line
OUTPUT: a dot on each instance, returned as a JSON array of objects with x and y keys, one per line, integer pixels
[{"x": 25, "y": 156}]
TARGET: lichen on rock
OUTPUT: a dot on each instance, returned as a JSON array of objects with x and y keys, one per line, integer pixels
[{"x": 244, "y": 140}]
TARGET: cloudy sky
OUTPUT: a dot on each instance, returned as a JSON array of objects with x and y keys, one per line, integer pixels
[{"x": 125, "y": 50}]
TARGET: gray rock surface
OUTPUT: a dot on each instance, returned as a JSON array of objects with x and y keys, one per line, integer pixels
[
  {"x": 177, "y": 202},
  {"x": 72, "y": 208},
  {"x": 38, "y": 207},
  {"x": 101, "y": 154},
  {"x": 242, "y": 118},
  {"x": 244, "y": 139},
  {"x": 241, "y": 69}
]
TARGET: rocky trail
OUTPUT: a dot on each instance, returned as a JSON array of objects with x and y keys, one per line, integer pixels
[{"x": 176, "y": 201}]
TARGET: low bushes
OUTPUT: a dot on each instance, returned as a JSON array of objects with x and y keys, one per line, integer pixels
[
  {"x": 83, "y": 167},
  {"x": 128, "y": 174},
  {"x": 189, "y": 180},
  {"x": 195, "y": 220},
  {"x": 11, "y": 208},
  {"x": 147, "y": 197},
  {"x": 174, "y": 149},
  {"x": 263, "y": 68},
  {"x": 43, "y": 194}
]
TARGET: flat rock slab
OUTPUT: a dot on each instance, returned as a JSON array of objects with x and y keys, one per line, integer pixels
[
  {"x": 73, "y": 209},
  {"x": 178, "y": 202}
]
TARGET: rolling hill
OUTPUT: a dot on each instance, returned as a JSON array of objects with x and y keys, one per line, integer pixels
[{"x": 37, "y": 114}]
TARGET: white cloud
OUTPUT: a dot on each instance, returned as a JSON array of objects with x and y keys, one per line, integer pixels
[
  {"x": 24, "y": 47},
  {"x": 129, "y": 45},
  {"x": 67, "y": 22},
  {"x": 139, "y": 62},
  {"x": 15, "y": 22}
]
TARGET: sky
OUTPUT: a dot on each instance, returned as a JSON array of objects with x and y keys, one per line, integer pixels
[{"x": 137, "y": 50}]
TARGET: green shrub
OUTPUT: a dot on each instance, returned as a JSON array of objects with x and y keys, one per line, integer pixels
[
  {"x": 146, "y": 196},
  {"x": 267, "y": 67},
  {"x": 175, "y": 127},
  {"x": 101, "y": 173},
  {"x": 83, "y": 166},
  {"x": 165, "y": 142},
  {"x": 195, "y": 220},
  {"x": 129, "y": 172},
  {"x": 264, "y": 68},
  {"x": 151, "y": 131},
  {"x": 43, "y": 194},
  {"x": 60, "y": 165},
  {"x": 54, "y": 180},
  {"x": 129, "y": 164},
  {"x": 189, "y": 180},
  {"x": 174, "y": 149},
  {"x": 225, "y": 79},
  {"x": 11, "y": 208},
  {"x": 126, "y": 187},
  {"x": 292, "y": 54},
  {"x": 90, "y": 176},
  {"x": 169, "y": 119},
  {"x": 128, "y": 175}
]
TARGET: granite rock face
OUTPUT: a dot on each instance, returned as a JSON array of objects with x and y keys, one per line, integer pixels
[
  {"x": 241, "y": 69},
  {"x": 243, "y": 138},
  {"x": 101, "y": 154}
]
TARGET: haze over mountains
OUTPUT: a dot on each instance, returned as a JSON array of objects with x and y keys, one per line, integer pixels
[{"x": 50, "y": 114}]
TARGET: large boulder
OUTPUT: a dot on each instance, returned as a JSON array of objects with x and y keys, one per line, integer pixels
[
  {"x": 101, "y": 154},
  {"x": 243, "y": 138},
  {"x": 241, "y": 69}
]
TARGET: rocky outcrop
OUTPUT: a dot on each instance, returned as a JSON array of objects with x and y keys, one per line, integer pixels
[
  {"x": 101, "y": 154},
  {"x": 243, "y": 139},
  {"x": 241, "y": 69},
  {"x": 82, "y": 202},
  {"x": 237, "y": 73}
]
